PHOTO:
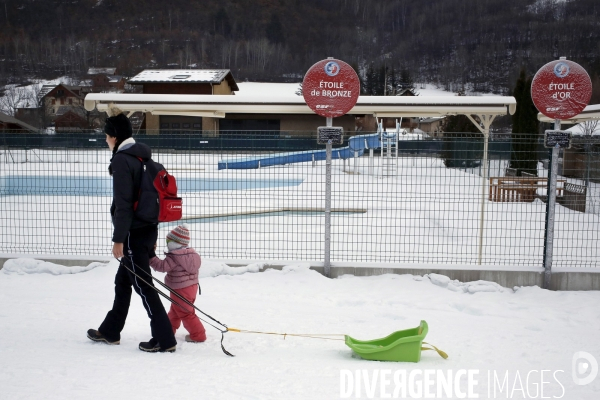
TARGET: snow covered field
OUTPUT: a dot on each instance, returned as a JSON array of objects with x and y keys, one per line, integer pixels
[{"x": 527, "y": 336}]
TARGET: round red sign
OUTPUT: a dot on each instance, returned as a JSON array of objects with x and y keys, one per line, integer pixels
[
  {"x": 561, "y": 89},
  {"x": 331, "y": 88}
]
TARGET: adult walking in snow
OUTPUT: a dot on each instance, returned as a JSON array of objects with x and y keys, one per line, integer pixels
[{"x": 133, "y": 242}]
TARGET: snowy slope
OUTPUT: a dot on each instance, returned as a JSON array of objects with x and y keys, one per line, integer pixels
[{"x": 45, "y": 353}]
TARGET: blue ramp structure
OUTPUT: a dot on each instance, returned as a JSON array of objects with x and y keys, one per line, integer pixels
[{"x": 356, "y": 147}]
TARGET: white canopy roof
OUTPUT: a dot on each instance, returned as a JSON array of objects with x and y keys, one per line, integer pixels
[
  {"x": 380, "y": 106},
  {"x": 588, "y": 113}
]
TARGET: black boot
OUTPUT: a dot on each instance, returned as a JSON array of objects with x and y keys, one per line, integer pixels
[
  {"x": 154, "y": 347},
  {"x": 96, "y": 336}
]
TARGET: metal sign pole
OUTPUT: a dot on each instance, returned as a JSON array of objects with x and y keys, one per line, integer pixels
[
  {"x": 549, "y": 240},
  {"x": 326, "y": 257},
  {"x": 330, "y": 88}
]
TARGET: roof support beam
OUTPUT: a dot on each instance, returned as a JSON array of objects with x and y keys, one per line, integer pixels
[{"x": 380, "y": 106}]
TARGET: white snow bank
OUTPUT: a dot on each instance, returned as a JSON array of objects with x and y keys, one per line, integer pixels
[
  {"x": 465, "y": 287},
  {"x": 301, "y": 267},
  {"x": 497, "y": 334},
  {"x": 24, "y": 266},
  {"x": 212, "y": 269}
]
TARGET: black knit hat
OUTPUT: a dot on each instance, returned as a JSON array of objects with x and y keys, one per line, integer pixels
[{"x": 119, "y": 127}]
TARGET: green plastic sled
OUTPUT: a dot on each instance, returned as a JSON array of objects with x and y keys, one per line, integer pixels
[{"x": 402, "y": 346}]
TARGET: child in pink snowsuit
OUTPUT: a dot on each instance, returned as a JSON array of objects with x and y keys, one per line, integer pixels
[{"x": 181, "y": 265}]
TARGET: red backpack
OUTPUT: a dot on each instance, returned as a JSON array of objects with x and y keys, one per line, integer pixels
[{"x": 157, "y": 198}]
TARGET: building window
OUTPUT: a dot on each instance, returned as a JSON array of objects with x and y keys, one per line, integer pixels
[
  {"x": 53, "y": 101},
  {"x": 70, "y": 101}
]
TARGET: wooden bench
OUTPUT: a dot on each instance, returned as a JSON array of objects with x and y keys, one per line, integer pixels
[{"x": 519, "y": 188}]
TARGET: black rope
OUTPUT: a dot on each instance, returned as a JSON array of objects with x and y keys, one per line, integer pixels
[
  {"x": 181, "y": 298},
  {"x": 223, "y": 331}
]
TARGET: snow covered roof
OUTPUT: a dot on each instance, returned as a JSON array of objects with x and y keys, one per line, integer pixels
[
  {"x": 45, "y": 90},
  {"x": 380, "y": 106},
  {"x": 62, "y": 110},
  {"x": 214, "y": 76},
  {"x": 588, "y": 113},
  {"x": 107, "y": 71}
]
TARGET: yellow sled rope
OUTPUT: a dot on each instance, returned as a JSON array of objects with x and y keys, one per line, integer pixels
[{"x": 405, "y": 345}]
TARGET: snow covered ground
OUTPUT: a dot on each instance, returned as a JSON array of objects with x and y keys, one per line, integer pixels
[{"x": 527, "y": 336}]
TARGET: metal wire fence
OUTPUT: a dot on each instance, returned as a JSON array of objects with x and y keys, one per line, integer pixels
[{"x": 407, "y": 200}]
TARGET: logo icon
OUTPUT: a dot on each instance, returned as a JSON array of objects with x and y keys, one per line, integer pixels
[
  {"x": 562, "y": 69},
  {"x": 584, "y": 364},
  {"x": 332, "y": 68}
]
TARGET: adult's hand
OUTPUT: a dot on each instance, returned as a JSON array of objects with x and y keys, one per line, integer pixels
[{"x": 117, "y": 250}]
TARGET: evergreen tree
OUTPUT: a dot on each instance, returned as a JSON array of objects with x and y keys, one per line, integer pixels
[
  {"x": 381, "y": 81},
  {"x": 406, "y": 81},
  {"x": 221, "y": 23},
  {"x": 392, "y": 82},
  {"x": 462, "y": 146},
  {"x": 368, "y": 84},
  {"x": 525, "y": 128},
  {"x": 361, "y": 81}
]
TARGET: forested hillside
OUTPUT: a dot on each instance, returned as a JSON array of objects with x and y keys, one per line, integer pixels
[{"x": 483, "y": 43}]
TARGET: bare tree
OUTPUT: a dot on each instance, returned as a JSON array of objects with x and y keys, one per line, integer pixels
[{"x": 12, "y": 99}]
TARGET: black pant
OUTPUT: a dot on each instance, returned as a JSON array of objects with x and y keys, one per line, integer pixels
[{"x": 136, "y": 249}]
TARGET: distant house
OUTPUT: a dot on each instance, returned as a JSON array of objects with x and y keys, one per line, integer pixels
[
  {"x": 70, "y": 119},
  {"x": 62, "y": 95},
  {"x": 194, "y": 81},
  {"x": 406, "y": 92},
  {"x": 30, "y": 115},
  {"x": 106, "y": 80},
  {"x": 433, "y": 126},
  {"x": 10, "y": 123},
  {"x": 176, "y": 81}
]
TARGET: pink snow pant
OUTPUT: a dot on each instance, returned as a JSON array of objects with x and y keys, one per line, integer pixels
[{"x": 186, "y": 314}]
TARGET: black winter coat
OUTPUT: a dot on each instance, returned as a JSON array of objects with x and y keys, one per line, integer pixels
[{"x": 126, "y": 170}]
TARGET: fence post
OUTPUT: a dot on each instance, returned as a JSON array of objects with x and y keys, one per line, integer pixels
[
  {"x": 327, "y": 250},
  {"x": 550, "y": 213}
]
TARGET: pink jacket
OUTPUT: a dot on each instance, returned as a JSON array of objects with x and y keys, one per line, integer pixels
[{"x": 181, "y": 266}]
